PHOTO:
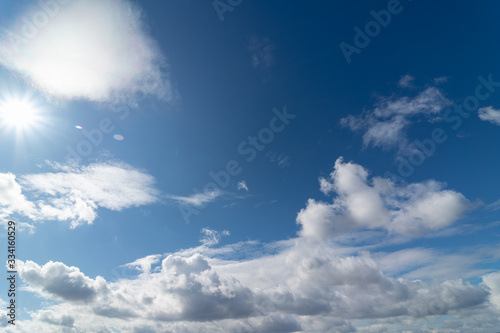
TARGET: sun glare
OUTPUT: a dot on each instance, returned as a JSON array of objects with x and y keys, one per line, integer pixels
[{"x": 17, "y": 113}]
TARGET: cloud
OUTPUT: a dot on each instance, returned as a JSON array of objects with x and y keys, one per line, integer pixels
[
  {"x": 212, "y": 237},
  {"x": 262, "y": 51},
  {"x": 406, "y": 81},
  {"x": 385, "y": 126},
  {"x": 410, "y": 210},
  {"x": 75, "y": 193},
  {"x": 492, "y": 281},
  {"x": 242, "y": 185},
  {"x": 441, "y": 79},
  {"x": 198, "y": 199},
  {"x": 94, "y": 50},
  {"x": 303, "y": 287},
  {"x": 282, "y": 160},
  {"x": 11, "y": 197},
  {"x": 61, "y": 282},
  {"x": 489, "y": 114},
  {"x": 321, "y": 280}
]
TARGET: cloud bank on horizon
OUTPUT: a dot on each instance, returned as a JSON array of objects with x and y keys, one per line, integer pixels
[{"x": 317, "y": 281}]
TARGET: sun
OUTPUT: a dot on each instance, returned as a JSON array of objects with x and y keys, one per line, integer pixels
[{"x": 18, "y": 114}]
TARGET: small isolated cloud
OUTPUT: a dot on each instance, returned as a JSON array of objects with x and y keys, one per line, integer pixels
[
  {"x": 242, "y": 185},
  {"x": 282, "y": 160},
  {"x": 361, "y": 203},
  {"x": 489, "y": 114},
  {"x": 262, "y": 51},
  {"x": 385, "y": 126},
  {"x": 198, "y": 199},
  {"x": 75, "y": 193},
  {"x": 406, "y": 81},
  {"x": 441, "y": 79},
  {"x": 85, "y": 49},
  {"x": 211, "y": 237}
]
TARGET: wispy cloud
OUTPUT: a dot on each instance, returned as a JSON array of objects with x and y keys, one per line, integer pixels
[
  {"x": 87, "y": 49},
  {"x": 198, "y": 199},
  {"x": 385, "y": 126},
  {"x": 211, "y": 237},
  {"x": 242, "y": 185},
  {"x": 282, "y": 160},
  {"x": 262, "y": 51},
  {"x": 489, "y": 114},
  {"x": 406, "y": 81},
  {"x": 74, "y": 194}
]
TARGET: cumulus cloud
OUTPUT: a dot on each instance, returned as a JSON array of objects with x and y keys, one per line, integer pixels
[
  {"x": 385, "y": 126},
  {"x": 75, "y": 193},
  {"x": 304, "y": 287},
  {"x": 489, "y": 114},
  {"x": 492, "y": 281},
  {"x": 378, "y": 203},
  {"x": 319, "y": 281},
  {"x": 61, "y": 282},
  {"x": 94, "y": 50}
]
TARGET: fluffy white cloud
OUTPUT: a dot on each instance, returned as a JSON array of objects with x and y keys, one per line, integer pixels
[
  {"x": 320, "y": 281},
  {"x": 385, "y": 125},
  {"x": 411, "y": 210},
  {"x": 81, "y": 49},
  {"x": 489, "y": 114},
  {"x": 492, "y": 281},
  {"x": 75, "y": 193},
  {"x": 306, "y": 287},
  {"x": 61, "y": 282}
]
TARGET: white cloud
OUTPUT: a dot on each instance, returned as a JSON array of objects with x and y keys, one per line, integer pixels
[
  {"x": 320, "y": 281},
  {"x": 61, "y": 282},
  {"x": 75, "y": 193},
  {"x": 410, "y": 210},
  {"x": 406, "y": 81},
  {"x": 86, "y": 49},
  {"x": 385, "y": 126},
  {"x": 242, "y": 185},
  {"x": 212, "y": 237},
  {"x": 489, "y": 114},
  {"x": 492, "y": 281},
  {"x": 197, "y": 199},
  {"x": 304, "y": 287}
]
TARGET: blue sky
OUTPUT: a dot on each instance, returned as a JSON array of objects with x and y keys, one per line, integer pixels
[{"x": 237, "y": 166}]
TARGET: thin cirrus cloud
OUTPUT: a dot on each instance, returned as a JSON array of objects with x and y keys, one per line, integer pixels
[
  {"x": 93, "y": 50},
  {"x": 74, "y": 194},
  {"x": 385, "y": 126},
  {"x": 196, "y": 199},
  {"x": 309, "y": 284}
]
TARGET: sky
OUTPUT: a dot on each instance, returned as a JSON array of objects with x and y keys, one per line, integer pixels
[{"x": 250, "y": 166}]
